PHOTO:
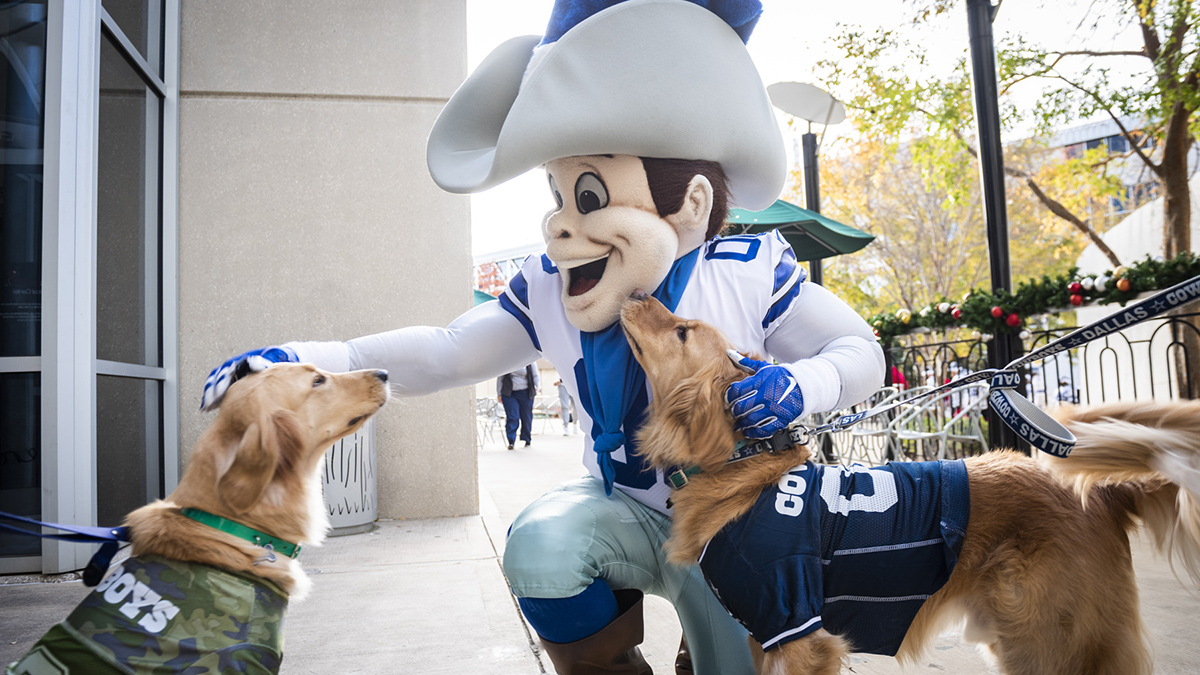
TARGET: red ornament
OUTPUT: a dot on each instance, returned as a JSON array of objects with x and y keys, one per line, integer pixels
[
  {"x": 1076, "y": 300},
  {"x": 1013, "y": 320},
  {"x": 1124, "y": 285},
  {"x": 997, "y": 312},
  {"x": 956, "y": 313},
  {"x": 1075, "y": 287}
]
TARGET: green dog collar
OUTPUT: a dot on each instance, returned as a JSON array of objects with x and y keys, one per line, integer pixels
[
  {"x": 242, "y": 532},
  {"x": 679, "y": 477}
]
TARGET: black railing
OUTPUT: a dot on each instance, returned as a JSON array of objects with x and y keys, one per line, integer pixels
[
  {"x": 1153, "y": 360},
  {"x": 1148, "y": 361}
]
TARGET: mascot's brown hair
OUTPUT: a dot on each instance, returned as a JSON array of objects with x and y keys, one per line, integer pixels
[{"x": 669, "y": 179}]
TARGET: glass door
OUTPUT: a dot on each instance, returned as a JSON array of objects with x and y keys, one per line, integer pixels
[{"x": 22, "y": 98}]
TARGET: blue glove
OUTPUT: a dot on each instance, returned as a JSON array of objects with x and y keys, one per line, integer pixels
[
  {"x": 238, "y": 367},
  {"x": 767, "y": 401}
]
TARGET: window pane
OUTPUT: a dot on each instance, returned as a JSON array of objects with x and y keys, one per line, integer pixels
[
  {"x": 141, "y": 22},
  {"x": 128, "y": 446},
  {"x": 20, "y": 456},
  {"x": 22, "y": 78},
  {"x": 127, "y": 258}
]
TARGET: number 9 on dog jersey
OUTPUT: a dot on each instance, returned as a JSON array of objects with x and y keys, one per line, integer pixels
[{"x": 854, "y": 549}]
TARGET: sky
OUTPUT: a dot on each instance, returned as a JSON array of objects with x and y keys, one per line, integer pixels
[{"x": 790, "y": 38}]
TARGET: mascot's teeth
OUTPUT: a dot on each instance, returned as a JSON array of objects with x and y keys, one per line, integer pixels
[{"x": 572, "y": 264}]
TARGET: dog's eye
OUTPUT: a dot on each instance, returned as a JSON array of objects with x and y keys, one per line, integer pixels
[
  {"x": 590, "y": 193},
  {"x": 318, "y": 381},
  {"x": 682, "y": 331}
]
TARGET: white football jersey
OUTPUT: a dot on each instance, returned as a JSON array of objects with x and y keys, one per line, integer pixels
[{"x": 744, "y": 285}]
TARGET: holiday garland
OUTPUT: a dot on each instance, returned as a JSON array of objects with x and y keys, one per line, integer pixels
[{"x": 1004, "y": 312}]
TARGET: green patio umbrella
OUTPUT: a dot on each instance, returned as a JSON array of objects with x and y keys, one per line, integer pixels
[
  {"x": 812, "y": 235},
  {"x": 482, "y": 297}
]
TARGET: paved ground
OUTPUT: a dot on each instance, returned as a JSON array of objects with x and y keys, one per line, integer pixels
[{"x": 428, "y": 596}]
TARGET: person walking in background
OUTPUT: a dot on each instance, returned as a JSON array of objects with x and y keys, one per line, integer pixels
[
  {"x": 1066, "y": 393},
  {"x": 516, "y": 391},
  {"x": 566, "y": 409}
]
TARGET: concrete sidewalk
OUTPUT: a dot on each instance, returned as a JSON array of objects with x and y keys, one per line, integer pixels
[{"x": 428, "y": 596}]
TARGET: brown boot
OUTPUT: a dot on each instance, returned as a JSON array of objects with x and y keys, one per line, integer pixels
[
  {"x": 611, "y": 650},
  {"x": 683, "y": 660}
]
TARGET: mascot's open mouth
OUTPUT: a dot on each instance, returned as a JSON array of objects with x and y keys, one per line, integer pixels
[{"x": 585, "y": 277}]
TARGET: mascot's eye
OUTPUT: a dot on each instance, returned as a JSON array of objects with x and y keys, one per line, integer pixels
[
  {"x": 318, "y": 381},
  {"x": 554, "y": 189},
  {"x": 682, "y": 333},
  {"x": 590, "y": 193}
]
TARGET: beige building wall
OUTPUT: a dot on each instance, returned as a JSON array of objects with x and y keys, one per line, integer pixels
[{"x": 306, "y": 211}]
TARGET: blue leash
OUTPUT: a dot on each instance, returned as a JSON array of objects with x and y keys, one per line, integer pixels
[
  {"x": 109, "y": 538},
  {"x": 1030, "y": 422}
]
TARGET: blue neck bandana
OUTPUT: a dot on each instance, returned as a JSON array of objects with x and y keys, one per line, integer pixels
[{"x": 612, "y": 377}]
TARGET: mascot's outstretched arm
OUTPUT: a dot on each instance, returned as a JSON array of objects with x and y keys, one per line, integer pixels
[
  {"x": 483, "y": 343},
  {"x": 830, "y": 350}
]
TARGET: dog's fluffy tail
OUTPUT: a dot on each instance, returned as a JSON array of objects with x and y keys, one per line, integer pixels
[{"x": 1151, "y": 451}]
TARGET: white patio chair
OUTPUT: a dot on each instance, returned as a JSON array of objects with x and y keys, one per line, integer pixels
[
  {"x": 967, "y": 429},
  {"x": 870, "y": 441},
  {"x": 545, "y": 408},
  {"x": 487, "y": 420},
  {"x": 927, "y": 425}
]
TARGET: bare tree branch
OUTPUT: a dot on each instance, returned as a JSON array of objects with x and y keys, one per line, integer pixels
[
  {"x": 1149, "y": 35},
  {"x": 1039, "y": 73},
  {"x": 1061, "y": 211},
  {"x": 1056, "y": 207},
  {"x": 1133, "y": 143},
  {"x": 1087, "y": 52}
]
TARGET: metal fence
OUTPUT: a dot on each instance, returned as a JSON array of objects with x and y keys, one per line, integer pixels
[{"x": 1148, "y": 361}]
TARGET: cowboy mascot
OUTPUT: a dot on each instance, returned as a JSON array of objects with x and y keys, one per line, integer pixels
[{"x": 650, "y": 120}]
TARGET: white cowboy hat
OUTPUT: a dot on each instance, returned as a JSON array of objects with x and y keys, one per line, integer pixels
[{"x": 652, "y": 78}]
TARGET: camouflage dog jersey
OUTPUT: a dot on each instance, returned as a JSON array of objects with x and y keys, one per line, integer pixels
[{"x": 155, "y": 615}]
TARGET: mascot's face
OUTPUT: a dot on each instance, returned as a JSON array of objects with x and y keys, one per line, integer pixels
[{"x": 607, "y": 238}]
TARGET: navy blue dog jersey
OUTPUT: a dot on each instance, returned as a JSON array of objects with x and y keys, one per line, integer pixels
[{"x": 857, "y": 549}]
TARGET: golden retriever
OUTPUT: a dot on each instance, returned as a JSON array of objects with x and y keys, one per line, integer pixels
[
  {"x": 1044, "y": 578},
  {"x": 193, "y": 596}
]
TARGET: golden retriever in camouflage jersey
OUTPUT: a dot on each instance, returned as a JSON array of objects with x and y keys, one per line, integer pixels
[{"x": 197, "y": 599}]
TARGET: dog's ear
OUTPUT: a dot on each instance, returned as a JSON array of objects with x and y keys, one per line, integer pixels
[
  {"x": 266, "y": 447},
  {"x": 689, "y": 424}
]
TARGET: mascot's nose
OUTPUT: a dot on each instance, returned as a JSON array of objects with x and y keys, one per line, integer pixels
[
  {"x": 382, "y": 375},
  {"x": 638, "y": 295}
]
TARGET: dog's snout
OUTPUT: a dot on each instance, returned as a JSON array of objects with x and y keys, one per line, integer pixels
[
  {"x": 638, "y": 295},
  {"x": 382, "y": 375}
]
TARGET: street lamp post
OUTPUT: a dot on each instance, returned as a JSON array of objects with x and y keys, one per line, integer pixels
[
  {"x": 1005, "y": 347},
  {"x": 811, "y": 104},
  {"x": 812, "y": 191}
]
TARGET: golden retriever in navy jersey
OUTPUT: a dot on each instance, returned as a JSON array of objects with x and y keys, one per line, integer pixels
[{"x": 821, "y": 561}]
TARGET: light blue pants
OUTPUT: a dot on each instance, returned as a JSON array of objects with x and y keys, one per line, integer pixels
[{"x": 575, "y": 533}]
